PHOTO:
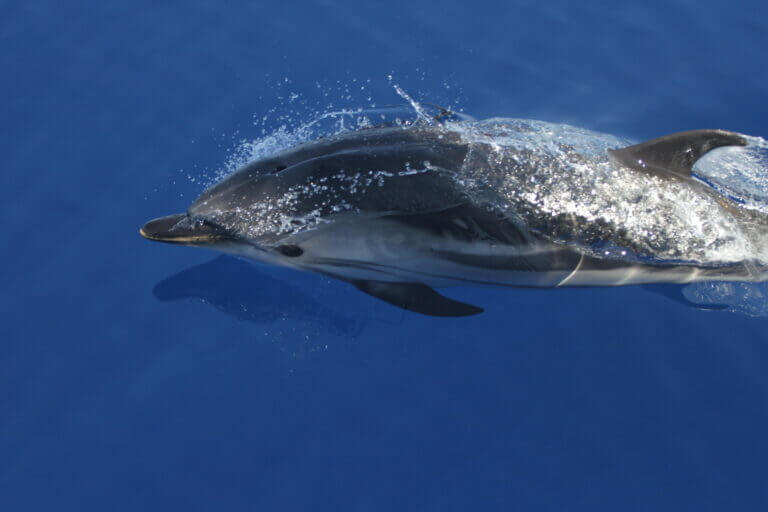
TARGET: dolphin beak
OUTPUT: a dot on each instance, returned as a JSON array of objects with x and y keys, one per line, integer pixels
[{"x": 183, "y": 229}]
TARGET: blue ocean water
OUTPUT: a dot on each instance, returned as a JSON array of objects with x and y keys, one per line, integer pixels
[{"x": 138, "y": 376}]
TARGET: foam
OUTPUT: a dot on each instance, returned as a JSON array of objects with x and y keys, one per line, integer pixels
[{"x": 560, "y": 180}]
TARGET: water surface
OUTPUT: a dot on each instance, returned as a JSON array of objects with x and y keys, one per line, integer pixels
[{"x": 133, "y": 381}]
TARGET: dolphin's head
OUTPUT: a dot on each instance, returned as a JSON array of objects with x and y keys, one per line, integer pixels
[
  {"x": 201, "y": 231},
  {"x": 261, "y": 210}
]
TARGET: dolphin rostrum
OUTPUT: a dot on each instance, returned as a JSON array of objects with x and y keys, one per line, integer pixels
[{"x": 399, "y": 210}]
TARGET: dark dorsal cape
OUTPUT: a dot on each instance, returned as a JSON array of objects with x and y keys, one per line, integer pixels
[{"x": 675, "y": 154}]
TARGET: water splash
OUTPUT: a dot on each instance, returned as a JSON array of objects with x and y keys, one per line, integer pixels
[
  {"x": 285, "y": 125},
  {"x": 420, "y": 112}
]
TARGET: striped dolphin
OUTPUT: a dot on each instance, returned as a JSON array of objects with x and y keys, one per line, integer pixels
[{"x": 400, "y": 210}]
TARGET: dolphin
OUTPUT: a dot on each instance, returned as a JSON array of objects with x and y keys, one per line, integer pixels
[{"x": 398, "y": 211}]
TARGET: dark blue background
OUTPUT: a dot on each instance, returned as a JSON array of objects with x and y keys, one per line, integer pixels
[{"x": 287, "y": 391}]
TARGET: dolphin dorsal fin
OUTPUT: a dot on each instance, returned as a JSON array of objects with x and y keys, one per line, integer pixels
[{"x": 676, "y": 153}]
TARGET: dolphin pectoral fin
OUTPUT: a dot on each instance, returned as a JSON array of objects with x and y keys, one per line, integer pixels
[
  {"x": 416, "y": 297},
  {"x": 675, "y": 154}
]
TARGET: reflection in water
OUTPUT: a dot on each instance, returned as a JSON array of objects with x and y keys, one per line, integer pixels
[
  {"x": 676, "y": 292},
  {"x": 239, "y": 289},
  {"x": 749, "y": 299}
]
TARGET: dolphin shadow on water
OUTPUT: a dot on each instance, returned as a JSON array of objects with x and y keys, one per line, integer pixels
[{"x": 238, "y": 289}]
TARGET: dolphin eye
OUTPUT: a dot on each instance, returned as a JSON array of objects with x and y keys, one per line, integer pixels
[{"x": 292, "y": 251}]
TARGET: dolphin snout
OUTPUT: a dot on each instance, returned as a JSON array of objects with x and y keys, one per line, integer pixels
[
  {"x": 160, "y": 229},
  {"x": 183, "y": 229}
]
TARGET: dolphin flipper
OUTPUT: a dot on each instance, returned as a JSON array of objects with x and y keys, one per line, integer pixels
[
  {"x": 416, "y": 297},
  {"x": 676, "y": 153}
]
